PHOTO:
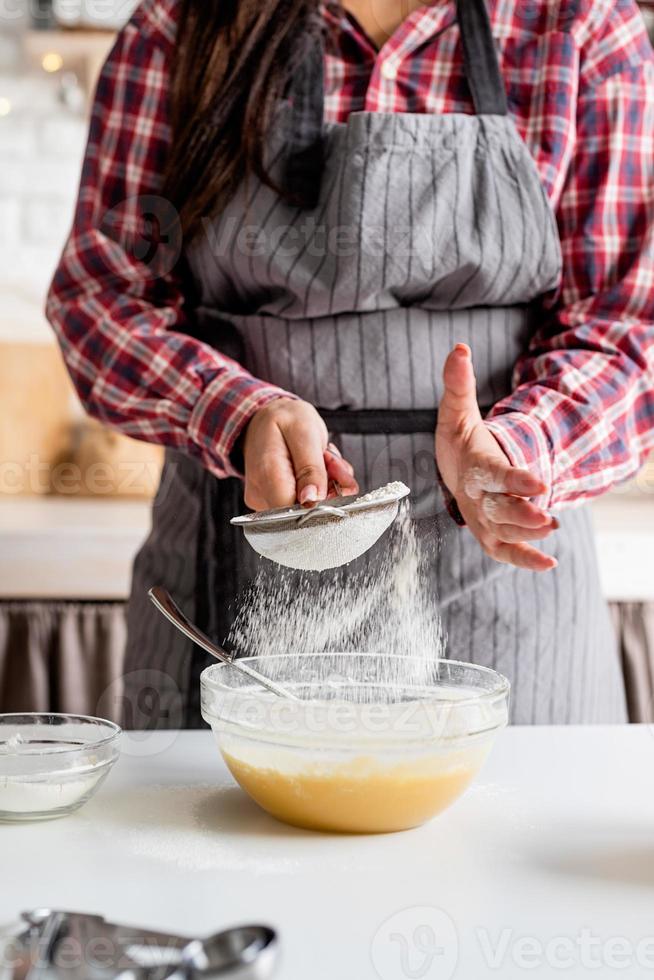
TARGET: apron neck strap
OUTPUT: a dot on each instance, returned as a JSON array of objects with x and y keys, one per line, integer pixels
[
  {"x": 305, "y": 161},
  {"x": 480, "y": 58},
  {"x": 304, "y": 164}
]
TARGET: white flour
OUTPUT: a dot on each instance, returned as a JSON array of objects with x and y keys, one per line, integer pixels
[
  {"x": 212, "y": 827},
  {"x": 25, "y": 792},
  {"x": 327, "y": 541},
  {"x": 9, "y": 746},
  {"x": 395, "y": 489},
  {"x": 383, "y": 603},
  {"x": 324, "y": 543},
  {"x": 23, "y": 795}
]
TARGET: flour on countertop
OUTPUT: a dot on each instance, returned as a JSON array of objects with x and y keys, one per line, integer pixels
[{"x": 210, "y": 828}]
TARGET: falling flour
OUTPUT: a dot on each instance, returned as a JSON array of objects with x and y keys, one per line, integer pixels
[{"x": 382, "y": 603}]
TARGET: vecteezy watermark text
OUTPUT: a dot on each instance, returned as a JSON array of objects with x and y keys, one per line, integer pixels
[{"x": 424, "y": 943}]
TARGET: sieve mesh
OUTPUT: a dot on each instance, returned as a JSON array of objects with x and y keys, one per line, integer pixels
[
  {"x": 324, "y": 543},
  {"x": 320, "y": 539}
]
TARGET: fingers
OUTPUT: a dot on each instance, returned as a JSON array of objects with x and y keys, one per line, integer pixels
[
  {"x": 458, "y": 409},
  {"x": 283, "y": 455},
  {"x": 506, "y": 523},
  {"x": 491, "y": 493},
  {"x": 523, "y": 483},
  {"x": 341, "y": 473},
  {"x": 339, "y": 470},
  {"x": 306, "y": 445},
  {"x": 270, "y": 482},
  {"x": 500, "y": 508},
  {"x": 500, "y": 478},
  {"x": 287, "y": 458},
  {"x": 524, "y": 556},
  {"x": 511, "y": 534},
  {"x": 507, "y": 544}
]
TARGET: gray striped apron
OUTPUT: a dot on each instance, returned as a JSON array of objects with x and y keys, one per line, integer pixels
[{"x": 426, "y": 230}]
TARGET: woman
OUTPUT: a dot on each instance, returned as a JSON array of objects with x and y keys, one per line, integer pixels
[{"x": 300, "y": 222}]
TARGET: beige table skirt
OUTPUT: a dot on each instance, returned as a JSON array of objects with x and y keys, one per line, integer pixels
[
  {"x": 634, "y": 623},
  {"x": 68, "y": 656},
  {"x": 62, "y": 656}
]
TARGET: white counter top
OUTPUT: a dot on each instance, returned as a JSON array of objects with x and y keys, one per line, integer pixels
[
  {"x": 60, "y": 548},
  {"x": 83, "y": 548},
  {"x": 547, "y": 862}
]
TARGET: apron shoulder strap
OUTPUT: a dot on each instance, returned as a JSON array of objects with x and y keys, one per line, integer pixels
[
  {"x": 304, "y": 164},
  {"x": 305, "y": 161},
  {"x": 480, "y": 58}
]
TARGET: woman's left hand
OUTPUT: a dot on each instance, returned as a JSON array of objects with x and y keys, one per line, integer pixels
[{"x": 492, "y": 495}]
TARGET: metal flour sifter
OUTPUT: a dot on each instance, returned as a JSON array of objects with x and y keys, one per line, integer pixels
[{"x": 330, "y": 534}]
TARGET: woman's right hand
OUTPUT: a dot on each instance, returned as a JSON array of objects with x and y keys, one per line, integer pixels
[{"x": 288, "y": 458}]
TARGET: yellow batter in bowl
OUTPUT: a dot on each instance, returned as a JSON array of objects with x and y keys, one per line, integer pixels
[
  {"x": 357, "y": 797},
  {"x": 354, "y": 758}
]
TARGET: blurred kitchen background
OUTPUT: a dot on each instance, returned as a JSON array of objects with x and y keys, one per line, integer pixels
[{"x": 74, "y": 498}]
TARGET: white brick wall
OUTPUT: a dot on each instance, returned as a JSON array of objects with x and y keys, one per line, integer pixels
[
  {"x": 9, "y": 220},
  {"x": 41, "y": 148}
]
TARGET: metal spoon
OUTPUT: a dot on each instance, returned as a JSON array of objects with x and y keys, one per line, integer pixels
[
  {"x": 166, "y": 605},
  {"x": 244, "y": 952}
]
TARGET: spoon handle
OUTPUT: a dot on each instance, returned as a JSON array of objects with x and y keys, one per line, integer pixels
[
  {"x": 167, "y": 605},
  {"x": 169, "y": 608}
]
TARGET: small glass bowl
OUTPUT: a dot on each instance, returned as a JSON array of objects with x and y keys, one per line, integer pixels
[
  {"x": 51, "y": 764},
  {"x": 378, "y": 743}
]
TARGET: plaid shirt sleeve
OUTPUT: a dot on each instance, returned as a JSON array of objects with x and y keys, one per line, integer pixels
[
  {"x": 581, "y": 415},
  {"x": 117, "y": 302}
]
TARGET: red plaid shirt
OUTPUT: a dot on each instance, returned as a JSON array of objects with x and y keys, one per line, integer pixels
[{"x": 580, "y": 84}]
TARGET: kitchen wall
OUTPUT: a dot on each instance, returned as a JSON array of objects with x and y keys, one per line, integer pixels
[
  {"x": 46, "y": 443},
  {"x": 46, "y": 77},
  {"x": 41, "y": 145}
]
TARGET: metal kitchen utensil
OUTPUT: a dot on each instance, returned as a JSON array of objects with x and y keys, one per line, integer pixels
[
  {"x": 251, "y": 946},
  {"x": 166, "y": 605},
  {"x": 94, "y": 949},
  {"x": 325, "y": 536}
]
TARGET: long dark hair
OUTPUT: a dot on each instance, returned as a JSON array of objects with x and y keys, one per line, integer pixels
[{"x": 233, "y": 63}]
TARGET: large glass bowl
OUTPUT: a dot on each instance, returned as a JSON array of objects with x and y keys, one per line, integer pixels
[
  {"x": 376, "y": 743},
  {"x": 51, "y": 764}
]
